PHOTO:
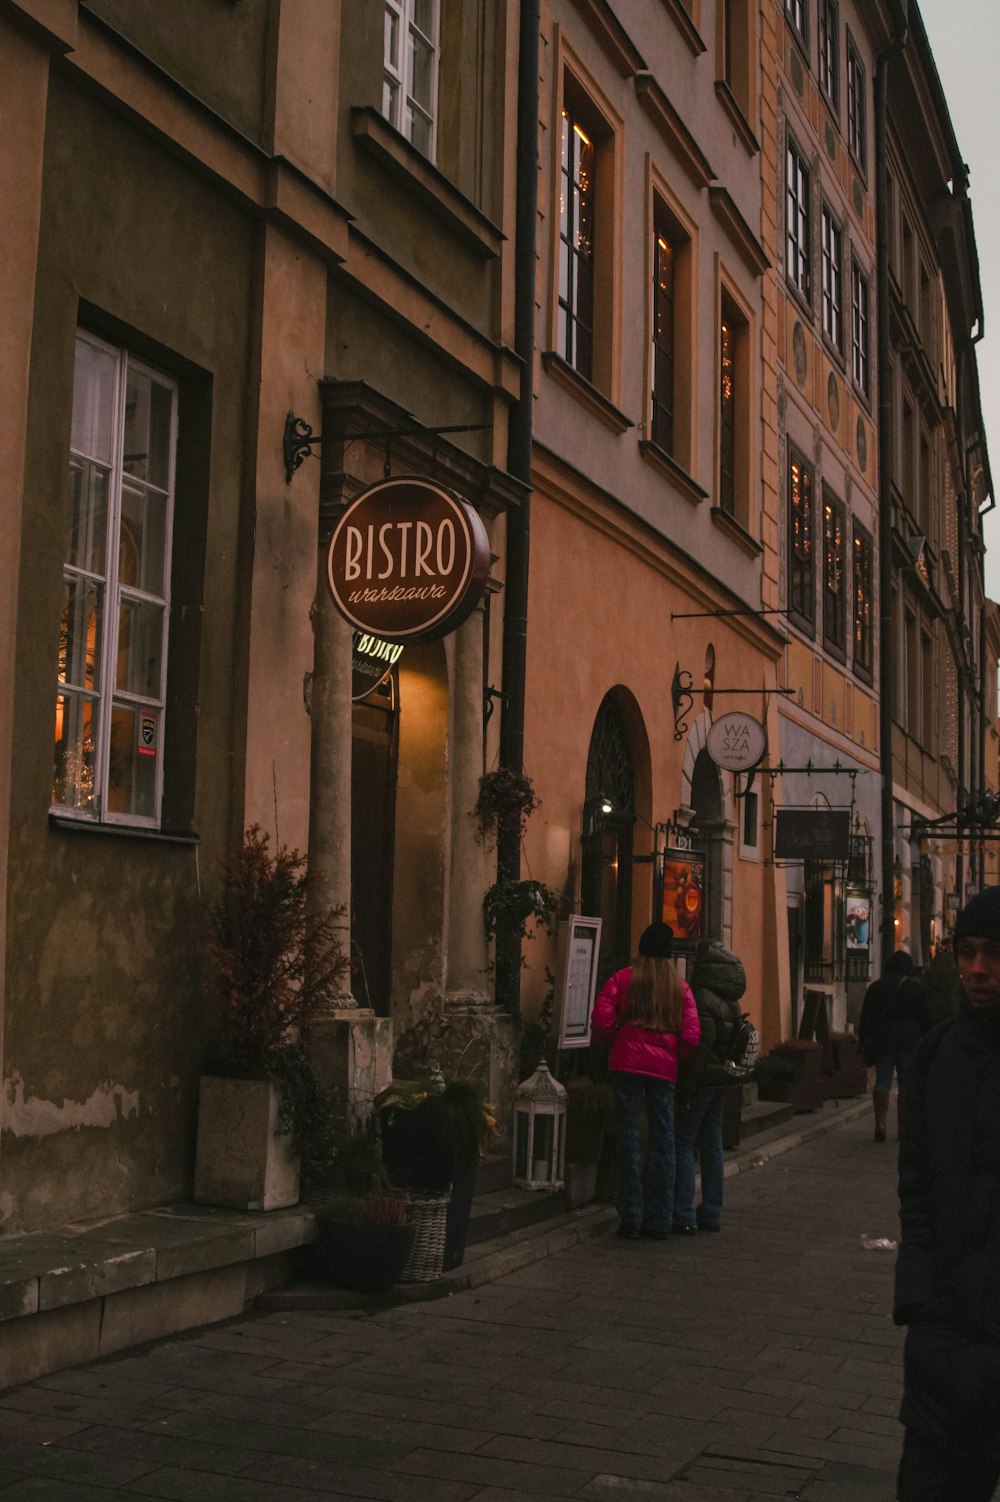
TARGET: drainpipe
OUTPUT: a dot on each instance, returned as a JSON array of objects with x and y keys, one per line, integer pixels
[
  {"x": 886, "y": 637},
  {"x": 515, "y": 621}
]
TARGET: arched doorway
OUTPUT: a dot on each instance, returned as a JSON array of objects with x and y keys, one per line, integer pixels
[{"x": 606, "y": 874}]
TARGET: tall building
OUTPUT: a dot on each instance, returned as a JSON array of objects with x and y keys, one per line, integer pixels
[{"x": 230, "y": 228}]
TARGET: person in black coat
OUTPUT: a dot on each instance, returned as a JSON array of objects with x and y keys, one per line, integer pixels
[
  {"x": 894, "y": 1017},
  {"x": 947, "y": 1287},
  {"x": 718, "y": 981}
]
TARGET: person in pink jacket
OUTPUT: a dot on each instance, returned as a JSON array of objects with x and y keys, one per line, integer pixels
[{"x": 646, "y": 1015}]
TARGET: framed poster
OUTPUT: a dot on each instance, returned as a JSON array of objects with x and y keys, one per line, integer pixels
[
  {"x": 858, "y": 920},
  {"x": 682, "y": 903},
  {"x": 581, "y": 942}
]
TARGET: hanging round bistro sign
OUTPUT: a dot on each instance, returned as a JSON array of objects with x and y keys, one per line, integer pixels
[
  {"x": 408, "y": 561},
  {"x": 736, "y": 742}
]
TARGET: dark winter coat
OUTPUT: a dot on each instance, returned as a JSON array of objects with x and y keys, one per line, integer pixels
[
  {"x": 948, "y": 1268},
  {"x": 895, "y": 1013},
  {"x": 718, "y": 981}
]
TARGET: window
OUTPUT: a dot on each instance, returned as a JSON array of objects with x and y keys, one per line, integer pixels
[
  {"x": 796, "y": 15},
  {"x": 859, "y": 328},
  {"x": 829, "y": 52},
  {"x": 409, "y": 78},
  {"x": 832, "y": 279},
  {"x": 111, "y": 659},
  {"x": 834, "y": 574},
  {"x": 664, "y": 335},
  {"x": 797, "y": 234},
  {"x": 801, "y": 563},
  {"x": 864, "y": 655},
  {"x": 727, "y": 414},
  {"x": 737, "y": 60},
  {"x": 576, "y": 245},
  {"x": 734, "y": 411},
  {"x": 857, "y": 126}
]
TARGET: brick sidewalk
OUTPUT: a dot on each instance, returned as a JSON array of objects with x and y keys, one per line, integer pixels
[{"x": 757, "y": 1364}]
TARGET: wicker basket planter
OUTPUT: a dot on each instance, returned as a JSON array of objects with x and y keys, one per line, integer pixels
[{"x": 429, "y": 1216}]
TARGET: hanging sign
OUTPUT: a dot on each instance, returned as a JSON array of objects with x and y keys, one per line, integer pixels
[
  {"x": 736, "y": 742},
  {"x": 812, "y": 834},
  {"x": 372, "y": 660},
  {"x": 408, "y": 561}
]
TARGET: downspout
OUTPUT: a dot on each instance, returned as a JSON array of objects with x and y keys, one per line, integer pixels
[
  {"x": 515, "y": 621},
  {"x": 886, "y": 635}
]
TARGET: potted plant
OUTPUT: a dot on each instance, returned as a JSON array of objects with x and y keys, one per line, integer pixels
[
  {"x": 433, "y": 1133},
  {"x": 509, "y": 906},
  {"x": 365, "y": 1240},
  {"x": 275, "y": 966},
  {"x": 505, "y": 797},
  {"x": 776, "y": 1077}
]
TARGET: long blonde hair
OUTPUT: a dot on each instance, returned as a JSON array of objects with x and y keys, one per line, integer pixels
[{"x": 655, "y": 995}]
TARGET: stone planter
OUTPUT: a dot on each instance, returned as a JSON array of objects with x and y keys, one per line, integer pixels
[{"x": 241, "y": 1162}]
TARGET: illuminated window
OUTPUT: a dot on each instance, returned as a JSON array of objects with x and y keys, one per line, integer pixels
[
  {"x": 864, "y": 635},
  {"x": 797, "y": 226},
  {"x": 801, "y": 562},
  {"x": 834, "y": 575},
  {"x": 664, "y": 337},
  {"x": 735, "y": 421},
  {"x": 410, "y": 70},
  {"x": 727, "y": 414},
  {"x": 576, "y": 245},
  {"x": 111, "y": 660}
]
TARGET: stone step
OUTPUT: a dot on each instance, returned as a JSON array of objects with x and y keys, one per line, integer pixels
[
  {"x": 764, "y": 1115},
  {"x": 493, "y": 1172},
  {"x": 502, "y": 1211}
]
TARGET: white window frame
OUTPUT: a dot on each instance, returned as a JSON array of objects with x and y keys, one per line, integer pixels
[
  {"x": 798, "y": 221},
  {"x": 832, "y": 265},
  {"x": 857, "y": 105},
  {"x": 399, "y": 106},
  {"x": 105, "y": 695},
  {"x": 860, "y": 329}
]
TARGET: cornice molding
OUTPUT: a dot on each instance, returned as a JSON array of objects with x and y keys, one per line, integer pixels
[{"x": 673, "y": 130}]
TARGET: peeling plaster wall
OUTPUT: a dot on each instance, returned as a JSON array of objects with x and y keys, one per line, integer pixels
[{"x": 106, "y": 1016}]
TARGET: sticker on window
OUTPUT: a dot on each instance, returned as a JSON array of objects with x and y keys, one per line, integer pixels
[{"x": 147, "y": 735}]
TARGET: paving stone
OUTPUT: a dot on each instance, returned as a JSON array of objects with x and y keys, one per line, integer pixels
[{"x": 739, "y": 1368}]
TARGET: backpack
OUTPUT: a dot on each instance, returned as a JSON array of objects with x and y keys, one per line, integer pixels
[{"x": 744, "y": 1046}]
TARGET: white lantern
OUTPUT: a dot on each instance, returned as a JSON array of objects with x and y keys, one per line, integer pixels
[{"x": 539, "y": 1131}]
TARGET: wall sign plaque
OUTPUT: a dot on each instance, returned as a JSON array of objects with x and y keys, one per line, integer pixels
[
  {"x": 372, "y": 660},
  {"x": 736, "y": 742},
  {"x": 408, "y": 561}
]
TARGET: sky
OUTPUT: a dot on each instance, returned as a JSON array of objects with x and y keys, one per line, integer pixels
[{"x": 965, "y": 39}]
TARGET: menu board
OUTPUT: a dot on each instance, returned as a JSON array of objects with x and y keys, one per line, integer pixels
[{"x": 578, "y": 980}]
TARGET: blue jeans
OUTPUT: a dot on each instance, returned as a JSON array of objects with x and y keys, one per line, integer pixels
[
  {"x": 645, "y": 1187},
  {"x": 699, "y": 1129},
  {"x": 894, "y": 1061}
]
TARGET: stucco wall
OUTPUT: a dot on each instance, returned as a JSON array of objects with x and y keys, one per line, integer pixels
[{"x": 105, "y": 1021}]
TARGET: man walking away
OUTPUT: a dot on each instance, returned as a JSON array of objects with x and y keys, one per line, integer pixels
[
  {"x": 948, "y": 1269},
  {"x": 894, "y": 1018}
]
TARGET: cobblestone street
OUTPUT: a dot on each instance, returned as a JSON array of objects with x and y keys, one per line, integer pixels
[{"x": 757, "y": 1364}]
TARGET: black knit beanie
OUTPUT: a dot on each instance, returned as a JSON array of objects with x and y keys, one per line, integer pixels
[
  {"x": 657, "y": 941},
  {"x": 980, "y": 917}
]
